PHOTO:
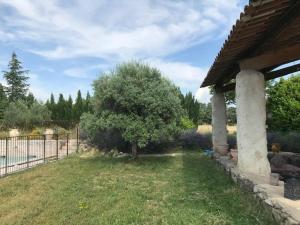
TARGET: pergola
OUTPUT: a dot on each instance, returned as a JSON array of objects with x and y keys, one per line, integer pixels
[{"x": 266, "y": 36}]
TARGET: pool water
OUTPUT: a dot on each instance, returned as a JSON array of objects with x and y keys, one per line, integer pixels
[{"x": 13, "y": 160}]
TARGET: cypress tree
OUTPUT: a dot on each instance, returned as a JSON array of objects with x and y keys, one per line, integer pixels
[
  {"x": 88, "y": 105},
  {"x": 16, "y": 79},
  {"x": 69, "y": 109},
  {"x": 78, "y": 107},
  {"x": 61, "y": 108}
]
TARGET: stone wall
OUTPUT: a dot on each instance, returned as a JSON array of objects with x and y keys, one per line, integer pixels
[{"x": 285, "y": 211}]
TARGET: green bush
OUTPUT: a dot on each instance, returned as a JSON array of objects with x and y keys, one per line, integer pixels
[
  {"x": 19, "y": 115},
  {"x": 284, "y": 105},
  {"x": 138, "y": 102},
  {"x": 186, "y": 123}
]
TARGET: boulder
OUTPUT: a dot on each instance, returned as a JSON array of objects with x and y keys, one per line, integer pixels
[{"x": 14, "y": 133}]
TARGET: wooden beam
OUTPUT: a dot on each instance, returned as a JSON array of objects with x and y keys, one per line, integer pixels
[
  {"x": 277, "y": 57},
  {"x": 228, "y": 87},
  {"x": 268, "y": 76},
  {"x": 278, "y": 25},
  {"x": 282, "y": 72}
]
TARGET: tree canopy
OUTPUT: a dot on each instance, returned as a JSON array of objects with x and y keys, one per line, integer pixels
[
  {"x": 138, "y": 101},
  {"x": 284, "y": 104}
]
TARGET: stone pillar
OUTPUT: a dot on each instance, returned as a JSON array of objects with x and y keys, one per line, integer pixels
[
  {"x": 219, "y": 120},
  {"x": 251, "y": 123}
]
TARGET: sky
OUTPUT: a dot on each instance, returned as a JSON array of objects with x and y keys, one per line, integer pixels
[{"x": 66, "y": 44}]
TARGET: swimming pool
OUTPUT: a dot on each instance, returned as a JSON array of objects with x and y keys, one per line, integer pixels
[{"x": 13, "y": 160}]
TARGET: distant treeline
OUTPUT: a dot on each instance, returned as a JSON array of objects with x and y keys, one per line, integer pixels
[{"x": 20, "y": 109}]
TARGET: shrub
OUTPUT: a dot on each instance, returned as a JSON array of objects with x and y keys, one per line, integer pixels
[
  {"x": 136, "y": 101},
  {"x": 19, "y": 115},
  {"x": 186, "y": 123},
  {"x": 37, "y": 131},
  {"x": 289, "y": 141},
  {"x": 191, "y": 139}
]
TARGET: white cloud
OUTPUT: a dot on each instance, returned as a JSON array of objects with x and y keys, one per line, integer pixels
[
  {"x": 203, "y": 95},
  {"x": 184, "y": 75},
  {"x": 85, "y": 71},
  {"x": 114, "y": 29}
]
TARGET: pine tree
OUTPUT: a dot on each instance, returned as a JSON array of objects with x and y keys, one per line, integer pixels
[
  {"x": 3, "y": 101},
  {"x": 16, "y": 79},
  {"x": 78, "y": 107}
]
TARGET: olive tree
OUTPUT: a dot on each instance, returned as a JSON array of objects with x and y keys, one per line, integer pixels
[{"x": 136, "y": 100}]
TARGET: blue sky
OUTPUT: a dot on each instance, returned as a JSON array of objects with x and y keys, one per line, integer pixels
[{"x": 68, "y": 44}]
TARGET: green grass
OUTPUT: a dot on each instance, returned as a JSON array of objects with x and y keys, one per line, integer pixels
[{"x": 186, "y": 189}]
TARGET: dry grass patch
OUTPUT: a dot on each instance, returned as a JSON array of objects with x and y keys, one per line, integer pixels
[{"x": 207, "y": 129}]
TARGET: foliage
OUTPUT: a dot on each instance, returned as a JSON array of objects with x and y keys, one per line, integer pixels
[
  {"x": 204, "y": 113},
  {"x": 284, "y": 104},
  {"x": 231, "y": 115},
  {"x": 191, "y": 105},
  {"x": 3, "y": 101},
  {"x": 36, "y": 132},
  {"x": 19, "y": 115},
  {"x": 78, "y": 107},
  {"x": 30, "y": 99},
  {"x": 186, "y": 123},
  {"x": 138, "y": 102},
  {"x": 289, "y": 141},
  {"x": 16, "y": 79},
  {"x": 65, "y": 113},
  {"x": 105, "y": 139},
  {"x": 199, "y": 113},
  {"x": 193, "y": 140},
  {"x": 38, "y": 113}
]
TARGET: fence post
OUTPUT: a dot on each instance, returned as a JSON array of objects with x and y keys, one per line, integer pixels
[
  {"x": 6, "y": 154},
  {"x": 28, "y": 151},
  {"x": 56, "y": 146},
  {"x": 44, "y": 153},
  {"x": 67, "y": 144}
]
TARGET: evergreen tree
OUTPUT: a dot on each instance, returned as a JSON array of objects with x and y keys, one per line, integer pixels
[
  {"x": 69, "y": 109},
  {"x": 192, "y": 107},
  {"x": 16, "y": 79},
  {"x": 30, "y": 99},
  {"x": 3, "y": 101},
  {"x": 87, "y": 103},
  {"x": 52, "y": 107},
  {"x": 61, "y": 108},
  {"x": 78, "y": 107}
]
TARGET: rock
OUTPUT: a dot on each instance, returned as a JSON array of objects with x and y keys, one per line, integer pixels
[
  {"x": 278, "y": 161},
  {"x": 49, "y": 134},
  {"x": 14, "y": 133}
]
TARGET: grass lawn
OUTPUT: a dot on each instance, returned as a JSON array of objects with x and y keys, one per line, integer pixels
[{"x": 187, "y": 189}]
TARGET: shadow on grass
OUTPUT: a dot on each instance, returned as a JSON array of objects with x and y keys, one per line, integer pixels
[
  {"x": 216, "y": 196},
  {"x": 149, "y": 163}
]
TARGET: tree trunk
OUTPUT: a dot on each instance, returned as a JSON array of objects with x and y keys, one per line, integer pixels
[{"x": 134, "y": 150}]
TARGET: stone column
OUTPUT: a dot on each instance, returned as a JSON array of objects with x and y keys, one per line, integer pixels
[
  {"x": 219, "y": 120},
  {"x": 251, "y": 123}
]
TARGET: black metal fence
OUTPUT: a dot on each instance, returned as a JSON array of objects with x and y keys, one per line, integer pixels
[{"x": 22, "y": 152}]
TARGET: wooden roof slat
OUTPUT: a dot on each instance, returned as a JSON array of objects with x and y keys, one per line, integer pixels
[{"x": 264, "y": 25}]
